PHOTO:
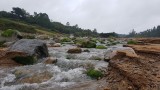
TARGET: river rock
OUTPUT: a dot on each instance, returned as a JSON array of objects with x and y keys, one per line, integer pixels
[
  {"x": 8, "y": 43},
  {"x": 50, "y": 60},
  {"x": 112, "y": 52},
  {"x": 56, "y": 45},
  {"x": 75, "y": 50},
  {"x": 32, "y": 47}
]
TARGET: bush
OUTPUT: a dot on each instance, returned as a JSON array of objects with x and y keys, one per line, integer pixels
[
  {"x": 28, "y": 60},
  {"x": 8, "y": 33},
  {"x": 88, "y": 44},
  {"x": 95, "y": 74},
  {"x": 66, "y": 40},
  {"x": 131, "y": 42},
  {"x": 94, "y": 40},
  {"x": 101, "y": 47}
]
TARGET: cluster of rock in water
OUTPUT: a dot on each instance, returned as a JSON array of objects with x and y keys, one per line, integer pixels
[{"x": 66, "y": 63}]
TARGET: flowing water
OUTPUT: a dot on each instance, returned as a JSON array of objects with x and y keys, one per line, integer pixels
[{"x": 67, "y": 74}]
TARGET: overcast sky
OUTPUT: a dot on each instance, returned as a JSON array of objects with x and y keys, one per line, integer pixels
[{"x": 119, "y": 16}]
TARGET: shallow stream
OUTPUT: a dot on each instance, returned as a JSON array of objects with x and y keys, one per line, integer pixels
[{"x": 67, "y": 74}]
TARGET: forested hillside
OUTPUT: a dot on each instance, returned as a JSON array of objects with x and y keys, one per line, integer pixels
[
  {"x": 155, "y": 32},
  {"x": 43, "y": 20}
]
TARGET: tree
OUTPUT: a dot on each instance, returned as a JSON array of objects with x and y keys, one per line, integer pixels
[
  {"x": 95, "y": 30},
  {"x": 132, "y": 33},
  {"x": 76, "y": 26},
  {"x": 67, "y": 24},
  {"x": 42, "y": 19},
  {"x": 20, "y": 13}
]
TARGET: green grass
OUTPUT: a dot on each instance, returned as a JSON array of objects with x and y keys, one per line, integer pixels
[
  {"x": 10, "y": 24},
  {"x": 29, "y": 37},
  {"x": 95, "y": 74},
  {"x": 8, "y": 33},
  {"x": 101, "y": 47},
  {"x": 25, "y": 28},
  {"x": 66, "y": 39},
  {"x": 88, "y": 44}
]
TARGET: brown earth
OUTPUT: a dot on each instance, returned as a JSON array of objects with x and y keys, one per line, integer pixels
[
  {"x": 151, "y": 40},
  {"x": 6, "y": 58},
  {"x": 139, "y": 73}
]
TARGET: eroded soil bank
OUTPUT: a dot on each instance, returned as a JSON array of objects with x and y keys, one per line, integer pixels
[{"x": 141, "y": 73}]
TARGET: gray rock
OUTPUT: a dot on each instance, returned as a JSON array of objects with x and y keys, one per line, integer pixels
[
  {"x": 111, "y": 52},
  {"x": 8, "y": 43},
  {"x": 32, "y": 47}
]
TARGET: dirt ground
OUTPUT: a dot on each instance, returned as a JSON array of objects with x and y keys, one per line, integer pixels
[
  {"x": 5, "y": 58},
  {"x": 141, "y": 73}
]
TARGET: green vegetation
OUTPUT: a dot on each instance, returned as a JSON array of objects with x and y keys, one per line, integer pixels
[
  {"x": 101, "y": 47},
  {"x": 39, "y": 19},
  {"x": 66, "y": 39},
  {"x": 95, "y": 74},
  {"x": 27, "y": 60},
  {"x": 8, "y": 33},
  {"x": 154, "y": 32},
  {"x": 78, "y": 41},
  {"x": 2, "y": 43},
  {"x": 15, "y": 25},
  {"x": 131, "y": 42},
  {"x": 108, "y": 35},
  {"x": 29, "y": 37},
  {"x": 88, "y": 44}
]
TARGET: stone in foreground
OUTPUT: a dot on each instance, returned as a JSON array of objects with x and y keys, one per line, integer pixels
[{"x": 33, "y": 50}]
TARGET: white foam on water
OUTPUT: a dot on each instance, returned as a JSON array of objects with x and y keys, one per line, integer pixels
[
  {"x": 8, "y": 78},
  {"x": 65, "y": 72}
]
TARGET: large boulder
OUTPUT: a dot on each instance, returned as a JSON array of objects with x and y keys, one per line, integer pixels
[
  {"x": 112, "y": 52},
  {"x": 33, "y": 49}
]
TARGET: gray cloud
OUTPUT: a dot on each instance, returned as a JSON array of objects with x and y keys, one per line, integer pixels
[{"x": 120, "y": 16}]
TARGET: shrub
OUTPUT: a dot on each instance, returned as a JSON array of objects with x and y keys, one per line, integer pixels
[
  {"x": 27, "y": 60},
  {"x": 66, "y": 40},
  {"x": 101, "y": 47},
  {"x": 88, "y": 44},
  {"x": 131, "y": 42},
  {"x": 8, "y": 33},
  {"x": 102, "y": 41},
  {"x": 94, "y": 40},
  {"x": 95, "y": 74}
]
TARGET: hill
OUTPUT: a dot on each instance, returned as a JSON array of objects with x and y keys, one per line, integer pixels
[
  {"x": 23, "y": 21},
  {"x": 23, "y": 27}
]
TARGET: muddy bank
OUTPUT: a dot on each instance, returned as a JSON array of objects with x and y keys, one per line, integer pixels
[
  {"x": 149, "y": 40},
  {"x": 140, "y": 73}
]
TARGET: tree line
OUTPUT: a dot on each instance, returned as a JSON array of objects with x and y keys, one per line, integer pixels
[
  {"x": 43, "y": 20},
  {"x": 154, "y": 32}
]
